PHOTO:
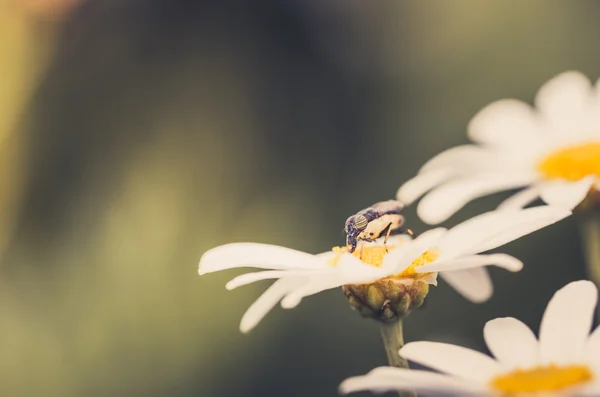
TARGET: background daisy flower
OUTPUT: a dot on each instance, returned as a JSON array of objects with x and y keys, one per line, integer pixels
[
  {"x": 564, "y": 361},
  {"x": 552, "y": 150},
  {"x": 407, "y": 264}
]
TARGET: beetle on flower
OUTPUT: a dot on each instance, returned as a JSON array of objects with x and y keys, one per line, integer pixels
[
  {"x": 383, "y": 281},
  {"x": 552, "y": 151},
  {"x": 565, "y": 361}
]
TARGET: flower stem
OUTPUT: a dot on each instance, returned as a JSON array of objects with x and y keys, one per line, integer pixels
[
  {"x": 393, "y": 340},
  {"x": 590, "y": 227}
]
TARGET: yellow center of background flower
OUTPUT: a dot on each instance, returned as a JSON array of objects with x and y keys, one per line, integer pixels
[
  {"x": 572, "y": 163},
  {"x": 373, "y": 255},
  {"x": 541, "y": 379}
]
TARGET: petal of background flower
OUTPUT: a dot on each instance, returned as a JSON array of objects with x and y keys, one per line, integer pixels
[
  {"x": 521, "y": 199},
  {"x": 567, "y": 322},
  {"x": 496, "y": 228},
  {"x": 473, "y": 284},
  {"x": 507, "y": 122},
  {"x": 473, "y": 261},
  {"x": 422, "y": 183},
  {"x": 268, "y": 300},
  {"x": 453, "y": 360},
  {"x": 443, "y": 201},
  {"x": 564, "y": 99},
  {"x": 389, "y": 378},
  {"x": 511, "y": 342},
  {"x": 565, "y": 193},
  {"x": 264, "y": 256},
  {"x": 458, "y": 158}
]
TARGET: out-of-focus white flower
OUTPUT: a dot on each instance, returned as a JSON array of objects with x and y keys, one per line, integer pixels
[
  {"x": 565, "y": 361},
  {"x": 454, "y": 253},
  {"x": 553, "y": 151}
]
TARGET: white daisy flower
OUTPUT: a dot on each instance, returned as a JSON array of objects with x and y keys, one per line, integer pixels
[
  {"x": 565, "y": 361},
  {"x": 553, "y": 151},
  {"x": 409, "y": 267}
]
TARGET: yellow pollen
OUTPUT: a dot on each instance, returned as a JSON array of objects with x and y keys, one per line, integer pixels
[
  {"x": 373, "y": 255},
  {"x": 425, "y": 258},
  {"x": 572, "y": 163},
  {"x": 541, "y": 379}
]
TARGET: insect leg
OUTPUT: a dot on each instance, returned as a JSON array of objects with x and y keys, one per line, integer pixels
[{"x": 388, "y": 230}]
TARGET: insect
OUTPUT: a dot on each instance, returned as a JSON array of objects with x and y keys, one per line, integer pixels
[{"x": 380, "y": 219}]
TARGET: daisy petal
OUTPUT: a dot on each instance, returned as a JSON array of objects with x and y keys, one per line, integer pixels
[
  {"x": 400, "y": 258},
  {"x": 565, "y": 193},
  {"x": 563, "y": 98},
  {"x": 389, "y": 378},
  {"x": 249, "y": 278},
  {"x": 264, "y": 256},
  {"x": 496, "y": 228},
  {"x": 316, "y": 285},
  {"x": 507, "y": 122},
  {"x": 422, "y": 183},
  {"x": 468, "y": 262},
  {"x": 453, "y": 360},
  {"x": 268, "y": 300},
  {"x": 521, "y": 199},
  {"x": 511, "y": 342},
  {"x": 349, "y": 270},
  {"x": 473, "y": 284},
  {"x": 463, "y": 156},
  {"x": 566, "y": 322},
  {"x": 593, "y": 347},
  {"x": 442, "y": 202}
]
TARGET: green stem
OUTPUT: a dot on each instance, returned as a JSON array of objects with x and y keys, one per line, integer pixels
[
  {"x": 393, "y": 340},
  {"x": 590, "y": 227}
]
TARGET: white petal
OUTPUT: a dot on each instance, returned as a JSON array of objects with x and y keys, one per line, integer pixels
[
  {"x": 458, "y": 157},
  {"x": 443, "y": 201},
  {"x": 496, "y": 228},
  {"x": 349, "y": 270},
  {"x": 473, "y": 284},
  {"x": 389, "y": 378},
  {"x": 521, "y": 199},
  {"x": 422, "y": 183},
  {"x": 511, "y": 342},
  {"x": 249, "y": 278},
  {"x": 402, "y": 257},
  {"x": 564, "y": 98},
  {"x": 264, "y": 256},
  {"x": 316, "y": 285},
  {"x": 472, "y": 261},
  {"x": 454, "y": 360},
  {"x": 591, "y": 389},
  {"x": 507, "y": 122},
  {"x": 268, "y": 300},
  {"x": 565, "y": 193},
  {"x": 593, "y": 347},
  {"x": 567, "y": 321}
]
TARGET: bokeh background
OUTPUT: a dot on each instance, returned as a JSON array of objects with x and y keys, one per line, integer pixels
[{"x": 137, "y": 134}]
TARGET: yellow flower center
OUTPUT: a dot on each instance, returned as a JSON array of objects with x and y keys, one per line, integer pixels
[
  {"x": 549, "y": 378},
  {"x": 373, "y": 255},
  {"x": 425, "y": 258},
  {"x": 572, "y": 163}
]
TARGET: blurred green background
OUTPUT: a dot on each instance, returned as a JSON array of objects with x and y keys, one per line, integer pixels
[{"x": 137, "y": 134}]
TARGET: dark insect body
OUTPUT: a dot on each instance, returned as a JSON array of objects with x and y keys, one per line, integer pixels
[{"x": 380, "y": 219}]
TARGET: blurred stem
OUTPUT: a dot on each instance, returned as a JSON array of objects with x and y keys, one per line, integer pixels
[
  {"x": 393, "y": 340},
  {"x": 590, "y": 227}
]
